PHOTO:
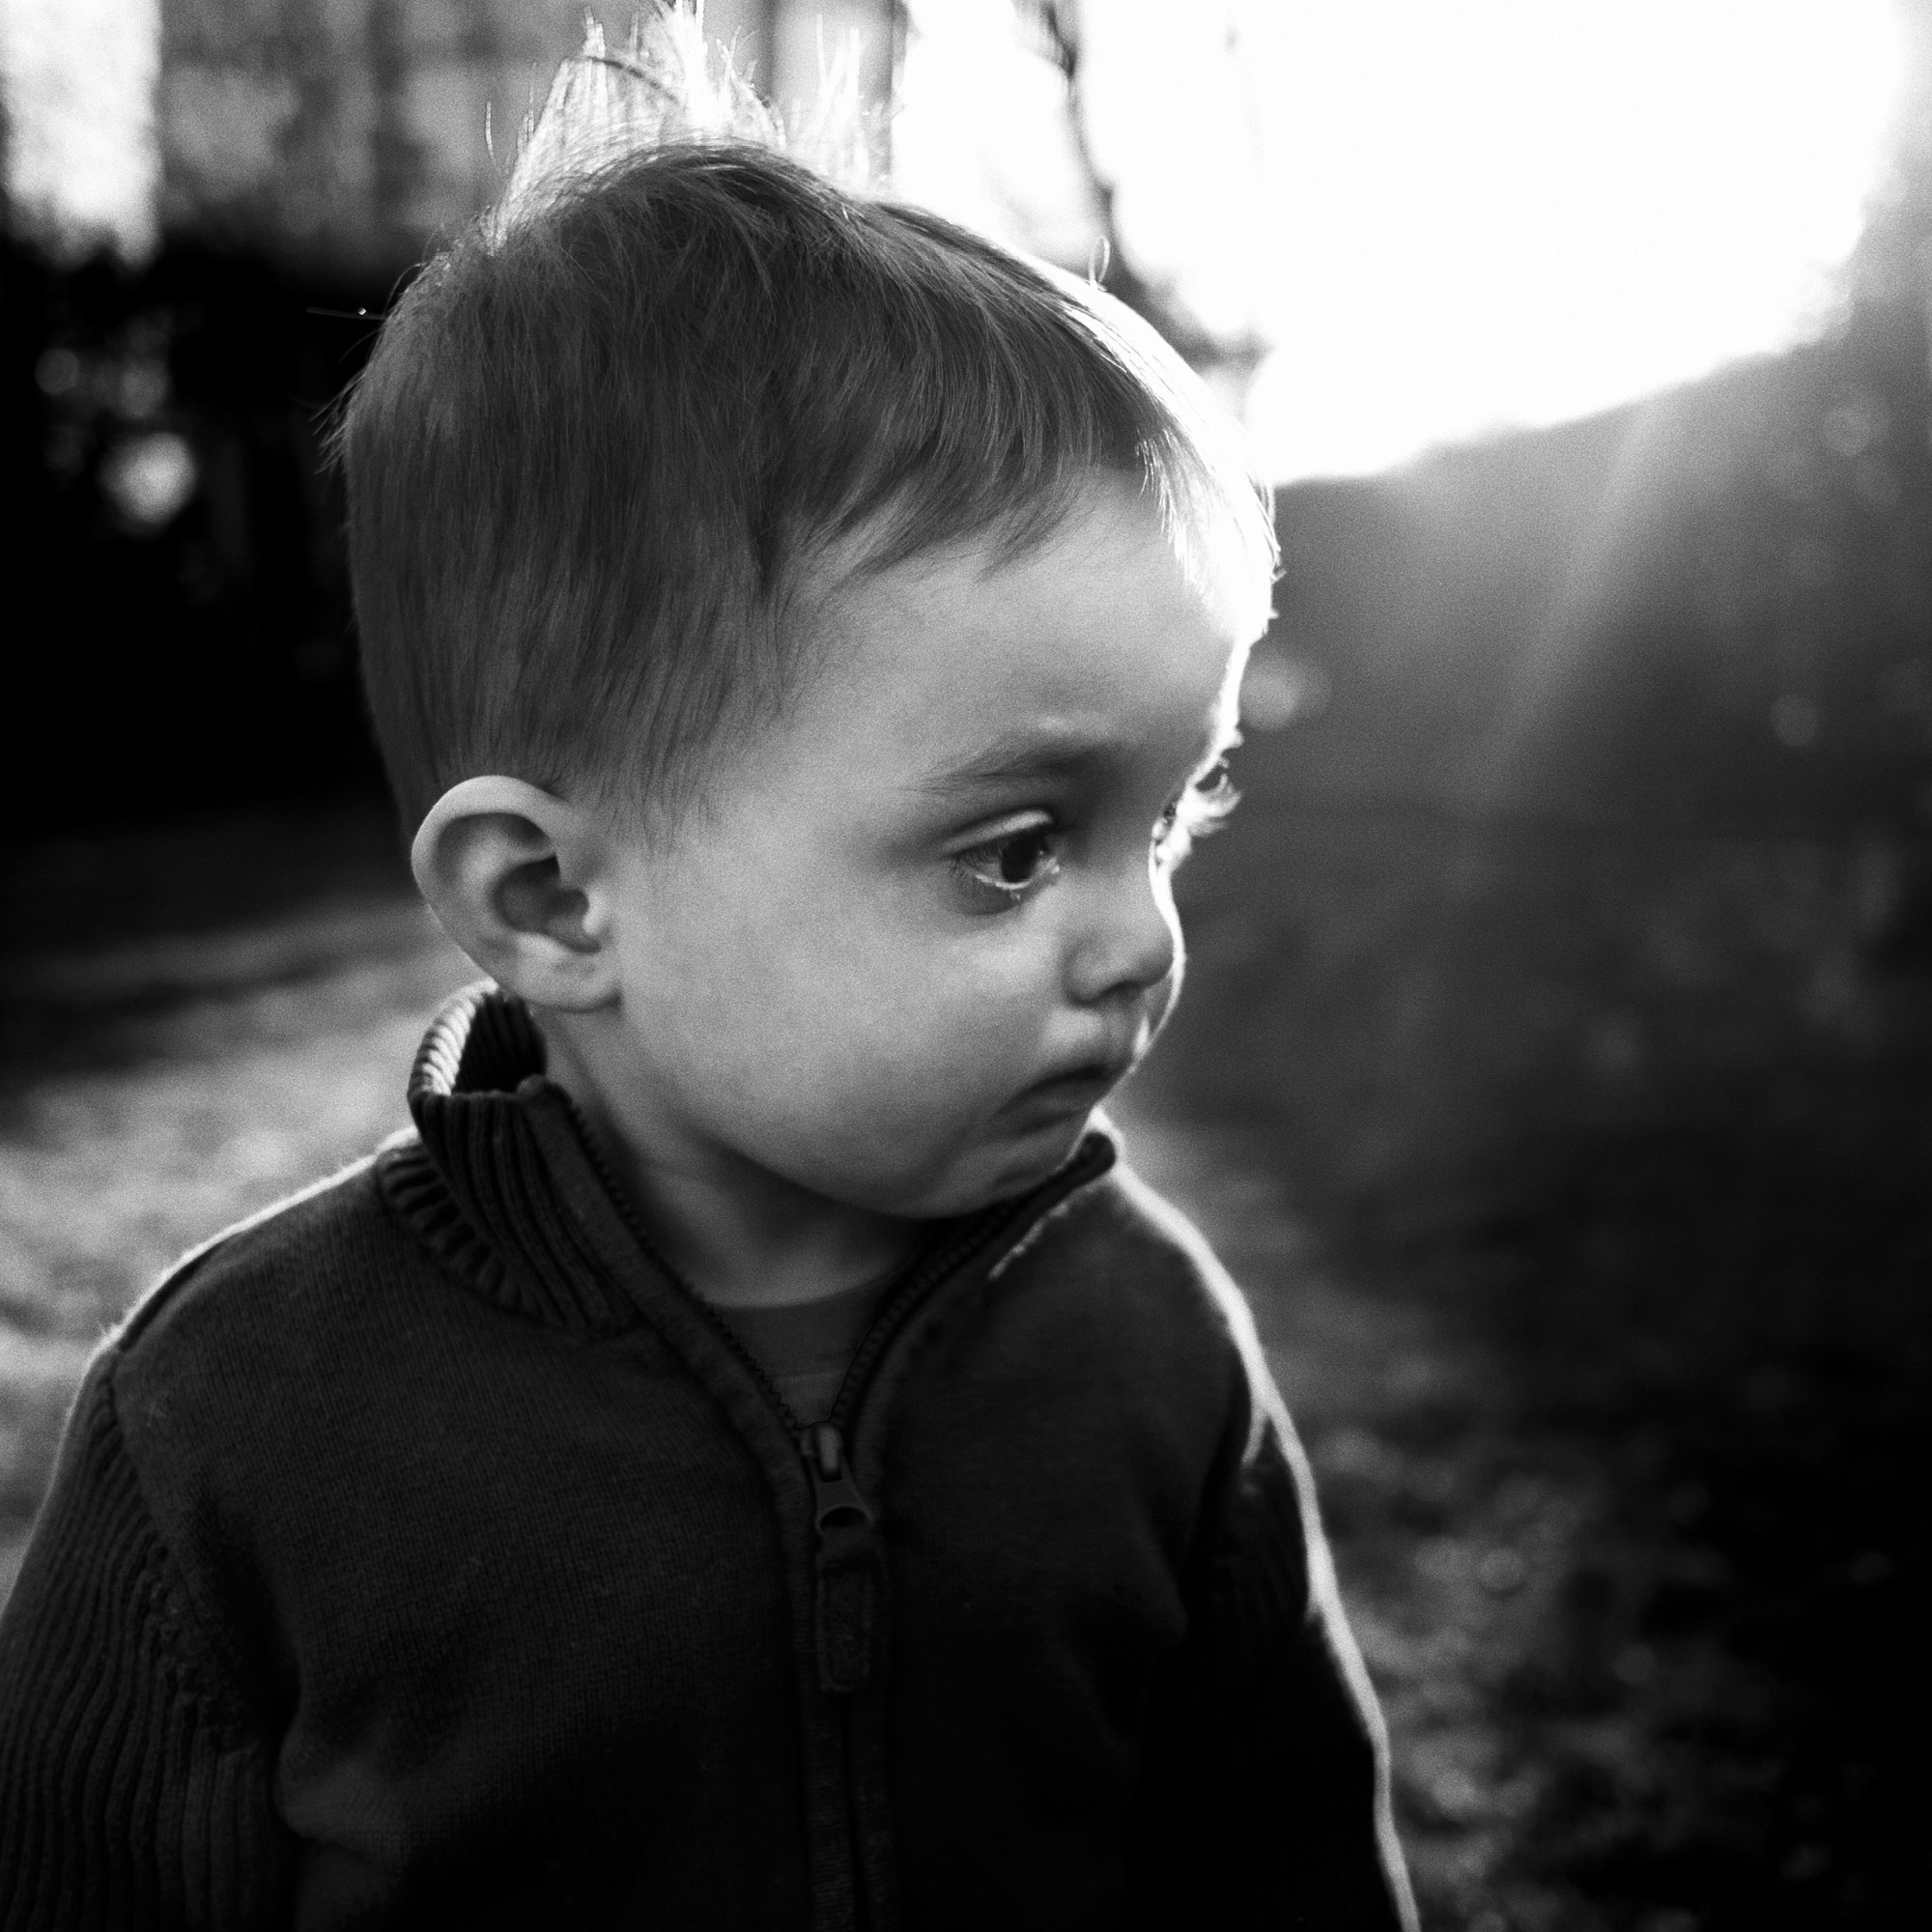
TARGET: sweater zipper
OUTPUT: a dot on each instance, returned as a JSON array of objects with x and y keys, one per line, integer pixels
[
  {"x": 891, "y": 1320},
  {"x": 845, "y": 1549},
  {"x": 721, "y": 1328},
  {"x": 846, "y": 1552},
  {"x": 847, "y": 1562},
  {"x": 847, "y": 1557}
]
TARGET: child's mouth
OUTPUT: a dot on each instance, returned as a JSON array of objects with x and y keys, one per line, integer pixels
[{"x": 1064, "y": 1094}]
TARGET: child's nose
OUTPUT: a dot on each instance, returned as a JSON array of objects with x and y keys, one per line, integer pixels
[{"x": 1131, "y": 943}]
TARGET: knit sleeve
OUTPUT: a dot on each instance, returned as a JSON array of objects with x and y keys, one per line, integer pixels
[
  {"x": 132, "y": 1792},
  {"x": 1268, "y": 1806}
]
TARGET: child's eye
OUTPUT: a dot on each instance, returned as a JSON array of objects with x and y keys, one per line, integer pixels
[
  {"x": 1012, "y": 863},
  {"x": 1203, "y": 808}
]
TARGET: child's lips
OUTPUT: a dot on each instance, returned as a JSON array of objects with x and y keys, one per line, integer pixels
[{"x": 1077, "y": 1092}]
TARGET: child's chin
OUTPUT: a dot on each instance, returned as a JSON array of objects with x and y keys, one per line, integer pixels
[
  {"x": 997, "y": 1168},
  {"x": 1025, "y": 1160}
]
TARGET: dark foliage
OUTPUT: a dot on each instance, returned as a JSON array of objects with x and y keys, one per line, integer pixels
[{"x": 173, "y": 653}]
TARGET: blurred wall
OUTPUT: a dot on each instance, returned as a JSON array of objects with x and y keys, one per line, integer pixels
[
  {"x": 340, "y": 132},
  {"x": 343, "y": 135}
]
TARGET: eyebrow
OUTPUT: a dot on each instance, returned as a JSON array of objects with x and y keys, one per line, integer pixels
[
  {"x": 1016, "y": 756},
  {"x": 1025, "y": 755}
]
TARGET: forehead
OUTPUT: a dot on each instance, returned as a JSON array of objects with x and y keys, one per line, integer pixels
[{"x": 1094, "y": 637}]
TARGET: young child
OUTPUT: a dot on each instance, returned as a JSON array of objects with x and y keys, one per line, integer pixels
[{"x": 752, "y": 1458}]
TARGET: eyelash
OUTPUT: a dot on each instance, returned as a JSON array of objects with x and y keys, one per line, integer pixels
[
  {"x": 1203, "y": 808},
  {"x": 1007, "y": 893}
]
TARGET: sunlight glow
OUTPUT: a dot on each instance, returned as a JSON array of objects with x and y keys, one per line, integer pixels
[
  {"x": 1446, "y": 216},
  {"x": 80, "y": 154},
  {"x": 1507, "y": 212}
]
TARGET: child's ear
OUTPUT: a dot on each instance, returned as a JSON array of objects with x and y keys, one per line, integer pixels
[{"x": 520, "y": 881}]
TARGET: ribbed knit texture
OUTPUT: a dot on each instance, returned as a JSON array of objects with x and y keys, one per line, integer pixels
[
  {"x": 132, "y": 1793},
  {"x": 478, "y": 1188},
  {"x": 424, "y": 1553}
]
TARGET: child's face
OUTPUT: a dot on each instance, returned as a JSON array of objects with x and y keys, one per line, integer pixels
[{"x": 923, "y": 925}]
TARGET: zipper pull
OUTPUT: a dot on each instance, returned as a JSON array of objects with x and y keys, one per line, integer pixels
[
  {"x": 848, "y": 1561},
  {"x": 836, "y": 1501}
]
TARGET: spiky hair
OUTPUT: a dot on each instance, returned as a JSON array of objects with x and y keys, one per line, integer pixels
[{"x": 670, "y": 84}]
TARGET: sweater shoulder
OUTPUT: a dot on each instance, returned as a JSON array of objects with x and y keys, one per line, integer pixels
[
  {"x": 1142, "y": 1285},
  {"x": 268, "y": 1281},
  {"x": 1125, "y": 1231},
  {"x": 234, "y": 1380}
]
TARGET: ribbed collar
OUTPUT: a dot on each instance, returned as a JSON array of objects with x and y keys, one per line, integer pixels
[{"x": 506, "y": 1186}]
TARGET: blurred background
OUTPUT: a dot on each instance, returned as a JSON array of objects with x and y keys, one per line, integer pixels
[{"x": 1556, "y": 1067}]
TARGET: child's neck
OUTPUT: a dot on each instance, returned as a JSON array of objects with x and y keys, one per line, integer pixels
[{"x": 741, "y": 1236}]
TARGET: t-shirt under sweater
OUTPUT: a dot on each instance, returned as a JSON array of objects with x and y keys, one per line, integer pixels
[
  {"x": 424, "y": 1553},
  {"x": 807, "y": 1347}
]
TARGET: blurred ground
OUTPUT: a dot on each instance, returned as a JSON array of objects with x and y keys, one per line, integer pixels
[{"x": 1579, "y": 1183}]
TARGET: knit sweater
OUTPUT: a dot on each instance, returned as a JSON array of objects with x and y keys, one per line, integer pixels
[{"x": 423, "y": 1552}]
